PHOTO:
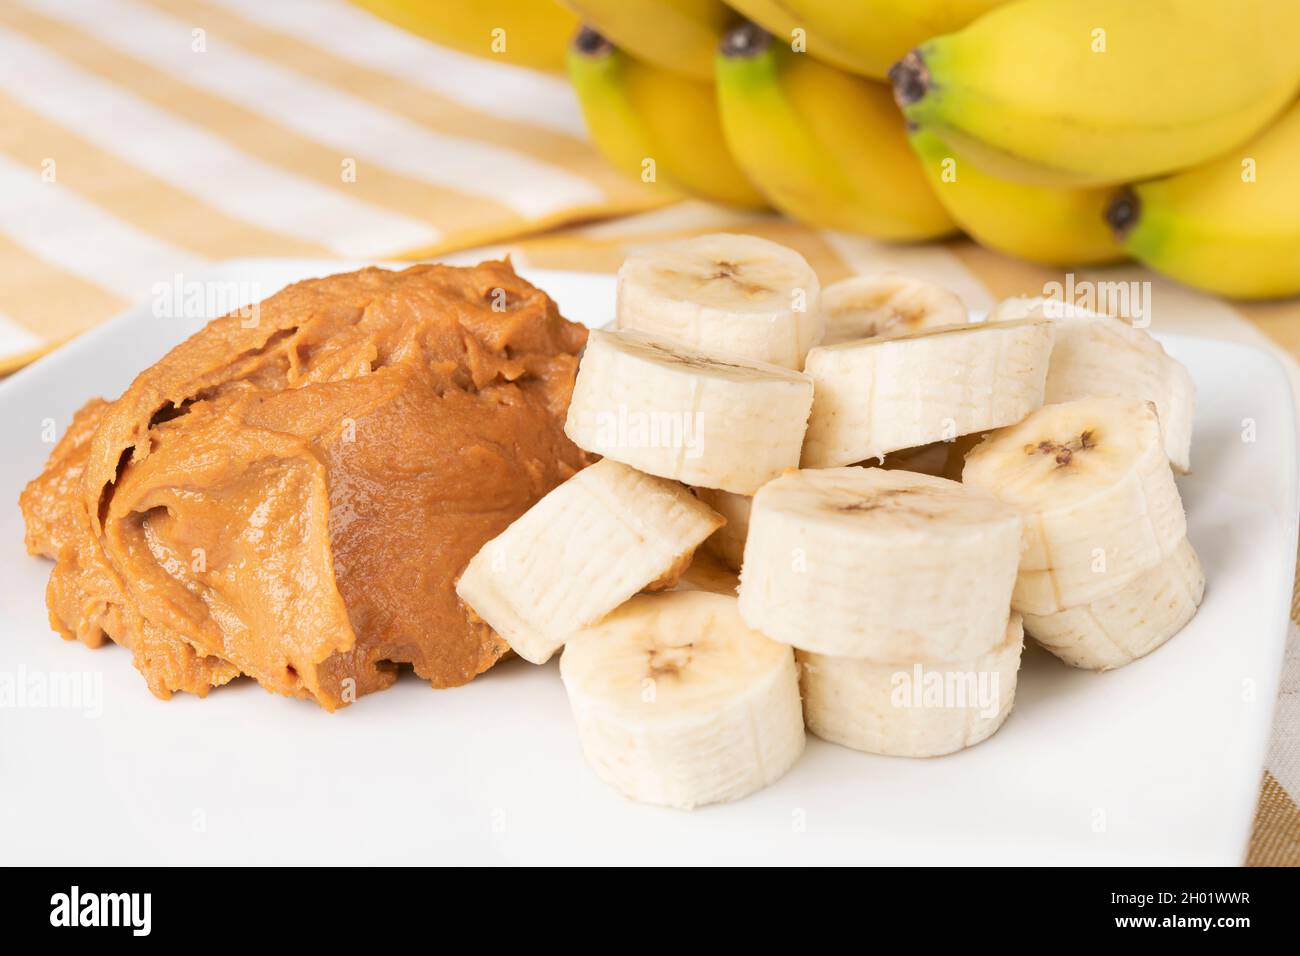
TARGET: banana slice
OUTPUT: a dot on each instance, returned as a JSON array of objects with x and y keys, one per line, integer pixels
[
  {"x": 679, "y": 703},
  {"x": 888, "y": 303},
  {"x": 731, "y": 294},
  {"x": 728, "y": 542},
  {"x": 1097, "y": 492},
  {"x": 880, "y": 395},
  {"x": 1121, "y": 627},
  {"x": 1097, "y": 355},
  {"x": 584, "y": 549},
  {"x": 911, "y": 710},
  {"x": 713, "y": 422},
  {"x": 885, "y": 565}
]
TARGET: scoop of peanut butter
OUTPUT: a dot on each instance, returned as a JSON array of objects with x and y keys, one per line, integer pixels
[{"x": 291, "y": 494}]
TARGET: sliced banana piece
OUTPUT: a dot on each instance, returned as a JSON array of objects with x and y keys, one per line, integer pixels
[
  {"x": 879, "y": 395},
  {"x": 911, "y": 710},
  {"x": 679, "y": 703},
  {"x": 887, "y": 303},
  {"x": 725, "y": 423},
  {"x": 1108, "y": 357},
  {"x": 728, "y": 542},
  {"x": 581, "y": 551},
  {"x": 884, "y": 565},
  {"x": 730, "y": 294},
  {"x": 1121, "y": 627},
  {"x": 1097, "y": 492}
]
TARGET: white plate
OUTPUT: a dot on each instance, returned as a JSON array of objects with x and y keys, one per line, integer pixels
[{"x": 1158, "y": 762}]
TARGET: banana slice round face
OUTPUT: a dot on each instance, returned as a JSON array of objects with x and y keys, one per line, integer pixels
[
  {"x": 679, "y": 703},
  {"x": 883, "y": 565},
  {"x": 730, "y": 294},
  {"x": 880, "y": 395},
  {"x": 1097, "y": 355},
  {"x": 1097, "y": 493},
  {"x": 888, "y": 303},
  {"x": 911, "y": 710},
  {"x": 582, "y": 550},
  {"x": 713, "y": 422},
  {"x": 1121, "y": 627},
  {"x": 728, "y": 542}
]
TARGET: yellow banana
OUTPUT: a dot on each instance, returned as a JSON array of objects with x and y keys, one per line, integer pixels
[
  {"x": 677, "y": 35},
  {"x": 824, "y": 146},
  {"x": 1056, "y": 225},
  {"x": 1104, "y": 91},
  {"x": 865, "y": 36},
  {"x": 659, "y": 126},
  {"x": 525, "y": 32},
  {"x": 1231, "y": 226}
]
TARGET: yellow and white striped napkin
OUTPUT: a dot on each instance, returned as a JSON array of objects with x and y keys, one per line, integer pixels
[{"x": 144, "y": 138}]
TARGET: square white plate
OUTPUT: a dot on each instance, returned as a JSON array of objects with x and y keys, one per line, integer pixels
[{"x": 1158, "y": 762}]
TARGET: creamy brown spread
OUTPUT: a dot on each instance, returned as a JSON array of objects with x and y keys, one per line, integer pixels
[{"x": 294, "y": 500}]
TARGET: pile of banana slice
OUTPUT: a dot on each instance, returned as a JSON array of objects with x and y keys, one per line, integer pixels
[{"x": 904, "y": 492}]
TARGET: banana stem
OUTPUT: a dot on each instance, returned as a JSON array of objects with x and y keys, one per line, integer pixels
[
  {"x": 747, "y": 39},
  {"x": 1123, "y": 212},
  {"x": 911, "y": 79}
]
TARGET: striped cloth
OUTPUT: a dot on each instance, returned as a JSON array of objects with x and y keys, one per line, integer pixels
[{"x": 144, "y": 139}]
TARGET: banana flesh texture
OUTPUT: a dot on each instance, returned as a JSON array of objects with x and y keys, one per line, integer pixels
[
  {"x": 824, "y": 146},
  {"x": 654, "y": 125},
  {"x": 714, "y": 422},
  {"x": 1133, "y": 621},
  {"x": 1097, "y": 355},
  {"x": 880, "y": 395},
  {"x": 1089, "y": 92},
  {"x": 679, "y": 703},
  {"x": 728, "y": 542},
  {"x": 865, "y": 36},
  {"x": 727, "y": 294},
  {"x": 585, "y": 548},
  {"x": 1098, "y": 496},
  {"x": 887, "y": 303},
  {"x": 1230, "y": 226},
  {"x": 857, "y": 703},
  {"x": 1054, "y": 225},
  {"x": 884, "y": 565}
]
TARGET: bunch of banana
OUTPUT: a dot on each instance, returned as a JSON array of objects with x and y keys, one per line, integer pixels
[
  {"x": 1056, "y": 225},
  {"x": 658, "y": 126},
  {"x": 1086, "y": 92},
  {"x": 1231, "y": 226},
  {"x": 873, "y": 575},
  {"x": 865, "y": 36},
  {"x": 524, "y": 32},
  {"x": 1107, "y": 574},
  {"x": 822, "y": 145},
  {"x": 679, "y": 36}
]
